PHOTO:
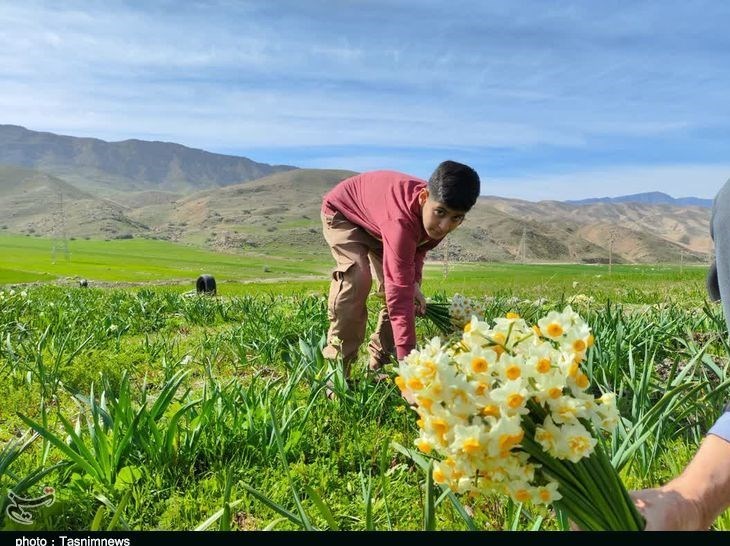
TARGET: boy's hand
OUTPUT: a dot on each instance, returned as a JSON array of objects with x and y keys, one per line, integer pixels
[{"x": 419, "y": 301}]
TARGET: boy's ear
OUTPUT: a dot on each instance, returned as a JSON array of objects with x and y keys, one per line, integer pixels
[{"x": 423, "y": 196}]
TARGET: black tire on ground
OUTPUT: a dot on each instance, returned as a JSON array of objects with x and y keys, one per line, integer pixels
[
  {"x": 206, "y": 285},
  {"x": 83, "y": 283}
]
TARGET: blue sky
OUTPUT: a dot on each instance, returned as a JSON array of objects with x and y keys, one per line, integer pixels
[{"x": 547, "y": 100}]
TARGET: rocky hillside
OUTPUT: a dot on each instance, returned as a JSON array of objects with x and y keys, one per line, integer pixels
[{"x": 281, "y": 212}]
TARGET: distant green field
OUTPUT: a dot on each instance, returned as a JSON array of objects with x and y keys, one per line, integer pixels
[
  {"x": 29, "y": 259},
  {"x": 625, "y": 283}
]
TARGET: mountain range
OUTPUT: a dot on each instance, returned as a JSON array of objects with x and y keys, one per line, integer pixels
[
  {"x": 650, "y": 198},
  {"x": 53, "y": 185},
  {"x": 129, "y": 165}
]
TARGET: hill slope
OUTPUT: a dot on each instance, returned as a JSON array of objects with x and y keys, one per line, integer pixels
[
  {"x": 129, "y": 165},
  {"x": 33, "y": 202},
  {"x": 280, "y": 214}
]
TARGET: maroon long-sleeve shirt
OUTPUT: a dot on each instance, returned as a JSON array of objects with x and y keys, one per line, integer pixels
[{"x": 385, "y": 204}]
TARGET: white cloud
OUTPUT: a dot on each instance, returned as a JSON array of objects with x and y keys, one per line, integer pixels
[{"x": 546, "y": 89}]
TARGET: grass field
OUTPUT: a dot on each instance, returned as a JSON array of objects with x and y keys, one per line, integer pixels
[
  {"x": 140, "y": 261},
  {"x": 28, "y": 259},
  {"x": 156, "y": 408}
]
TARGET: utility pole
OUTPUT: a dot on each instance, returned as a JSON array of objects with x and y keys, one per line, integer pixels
[
  {"x": 611, "y": 240},
  {"x": 60, "y": 241},
  {"x": 522, "y": 247}
]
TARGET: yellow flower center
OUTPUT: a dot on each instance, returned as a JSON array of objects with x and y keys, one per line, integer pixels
[
  {"x": 490, "y": 411},
  {"x": 523, "y": 495},
  {"x": 401, "y": 383},
  {"x": 481, "y": 388},
  {"x": 543, "y": 365},
  {"x": 554, "y": 329},
  {"x": 591, "y": 340},
  {"x": 512, "y": 315},
  {"x": 430, "y": 369},
  {"x": 508, "y": 441},
  {"x": 479, "y": 364},
  {"x": 544, "y": 437},
  {"x": 425, "y": 402},
  {"x": 439, "y": 476},
  {"x": 415, "y": 384},
  {"x": 423, "y": 445},
  {"x": 439, "y": 426},
  {"x": 513, "y": 372},
  {"x": 545, "y": 495},
  {"x": 536, "y": 329},
  {"x": 555, "y": 392},
  {"x": 573, "y": 369},
  {"x": 467, "y": 327},
  {"x": 581, "y": 380},
  {"x": 567, "y": 412},
  {"x": 579, "y": 345},
  {"x": 579, "y": 444},
  {"x": 515, "y": 400},
  {"x": 470, "y": 445}
]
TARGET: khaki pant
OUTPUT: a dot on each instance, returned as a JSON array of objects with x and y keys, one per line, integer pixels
[{"x": 359, "y": 257}]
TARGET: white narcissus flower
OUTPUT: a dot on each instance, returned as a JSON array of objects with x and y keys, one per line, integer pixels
[
  {"x": 548, "y": 493},
  {"x": 463, "y": 309},
  {"x": 475, "y": 395},
  {"x": 606, "y": 412},
  {"x": 575, "y": 443},
  {"x": 512, "y": 397},
  {"x": 548, "y": 435}
]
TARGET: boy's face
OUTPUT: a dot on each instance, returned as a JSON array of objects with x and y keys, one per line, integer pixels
[{"x": 438, "y": 219}]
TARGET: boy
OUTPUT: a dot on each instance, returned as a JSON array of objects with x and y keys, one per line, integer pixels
[{"x": 386, "y": 221}]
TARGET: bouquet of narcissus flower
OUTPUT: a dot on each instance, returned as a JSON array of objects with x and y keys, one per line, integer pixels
[
  {"x": 447, "y": 316},
  {"x": 505, "y": 409}
]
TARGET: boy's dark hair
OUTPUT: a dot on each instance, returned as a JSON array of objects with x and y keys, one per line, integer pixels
[{"x": 455, "y": 185}]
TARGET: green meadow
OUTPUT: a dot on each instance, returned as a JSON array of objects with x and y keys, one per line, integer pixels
[
  {"x": 30, "y": 259},
  {"x": 146, "y": 406},
  {"x": 142, "y": 261}
]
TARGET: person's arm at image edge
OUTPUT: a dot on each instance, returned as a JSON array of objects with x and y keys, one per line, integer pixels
[{"x": 695, "y": 498}]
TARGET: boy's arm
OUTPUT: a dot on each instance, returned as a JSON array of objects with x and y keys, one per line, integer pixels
[
  {"x": 400, "y": 272},
  {"x": 419, "y": 298}
]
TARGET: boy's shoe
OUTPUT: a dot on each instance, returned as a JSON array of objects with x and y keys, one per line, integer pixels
[{"x": 375, "y": 365}]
